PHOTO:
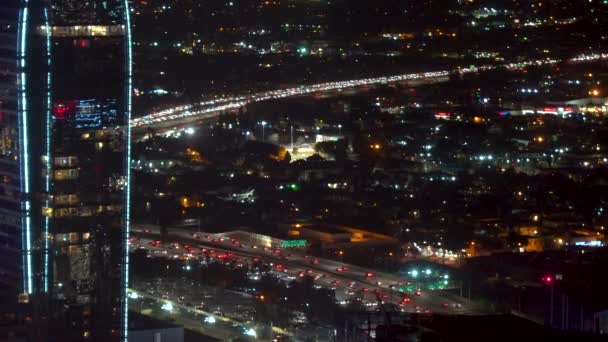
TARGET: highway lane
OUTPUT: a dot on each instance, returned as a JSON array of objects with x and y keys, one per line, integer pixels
[{"x": 330, "y": 273}]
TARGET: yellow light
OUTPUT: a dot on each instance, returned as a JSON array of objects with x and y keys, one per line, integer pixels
[
  {"x": 24, "y": 298},
  {"x": 540, "y": 139},
  {"x": 477, "y": 119}
]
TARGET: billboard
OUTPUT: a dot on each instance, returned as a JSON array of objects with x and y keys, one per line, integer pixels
[{"x": 86, "y": 114}]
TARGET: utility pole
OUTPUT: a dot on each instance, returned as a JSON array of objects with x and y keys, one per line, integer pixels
[{"x": 291, "y": 129}]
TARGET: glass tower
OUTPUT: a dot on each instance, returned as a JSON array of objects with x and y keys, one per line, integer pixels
[
  {"x": 11, "y": 258},
  {"x": 65, "y": 82}
]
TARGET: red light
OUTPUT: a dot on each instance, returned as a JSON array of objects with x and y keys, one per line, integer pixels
[
  {"x": 63, "y": 109},
  {"x": 548, "y": 279}
]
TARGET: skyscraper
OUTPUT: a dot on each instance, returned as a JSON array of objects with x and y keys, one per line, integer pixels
[
  {"x": 11, "y": 262},
  {"x": 64, "y": 151}
]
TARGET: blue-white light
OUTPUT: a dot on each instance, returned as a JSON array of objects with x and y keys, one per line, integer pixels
[
  {"x": 250, "y": 332},
  {"x": 47, "y": 186},
  {"x": 127, "y": 163},
  {"x": 26, "y": 229}
]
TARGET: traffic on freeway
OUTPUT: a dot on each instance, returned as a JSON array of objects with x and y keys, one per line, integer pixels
[
  {"x": 210, "y": 108},
  {"x": 349, "y": 281}
]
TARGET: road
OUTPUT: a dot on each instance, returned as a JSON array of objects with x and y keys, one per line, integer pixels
[
  {"x": 348, "y": 280},
  {"x": 222, "y": 328},
  {"x": 210, "y": 109}
]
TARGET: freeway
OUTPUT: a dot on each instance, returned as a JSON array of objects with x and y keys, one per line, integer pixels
[
  {"x": 349, "y": 281},
  {"x": 211, "y": 108}
]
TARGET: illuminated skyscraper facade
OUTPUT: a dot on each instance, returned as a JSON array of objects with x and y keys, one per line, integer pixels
[{"x": 65, "y": 73}]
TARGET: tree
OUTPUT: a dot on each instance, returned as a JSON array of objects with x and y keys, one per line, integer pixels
[{"x": 335, "y": 149}]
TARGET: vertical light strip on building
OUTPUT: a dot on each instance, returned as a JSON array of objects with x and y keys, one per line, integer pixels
[
  {"x": 47, "y": 186},
  {"x": 127, "y": 204},
  {"x": 23, "y": 149},
  {"x": 20, "y": 148}
]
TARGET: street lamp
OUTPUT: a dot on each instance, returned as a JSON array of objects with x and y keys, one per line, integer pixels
[{"x": 263, "y": 123}]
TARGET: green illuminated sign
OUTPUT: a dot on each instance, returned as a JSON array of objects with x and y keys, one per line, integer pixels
[{"x": 294, "y": 244}]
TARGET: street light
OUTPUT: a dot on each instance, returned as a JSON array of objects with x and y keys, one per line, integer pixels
[{"x": 264, "y": 123}]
